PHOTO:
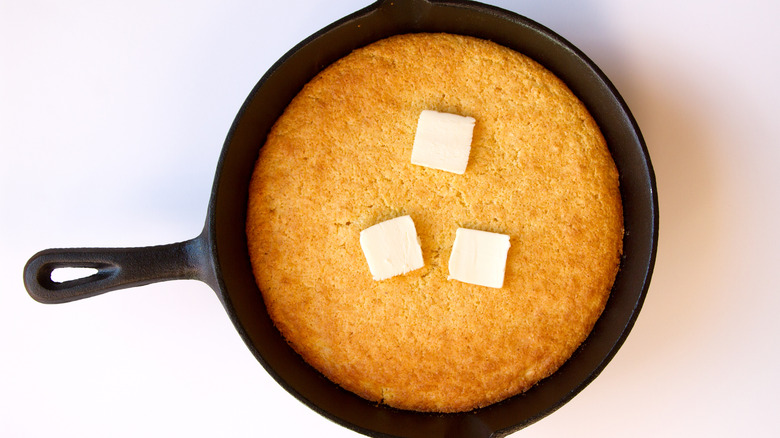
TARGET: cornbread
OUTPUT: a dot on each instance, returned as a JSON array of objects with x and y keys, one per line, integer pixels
[{"x": 338, "y": 161}]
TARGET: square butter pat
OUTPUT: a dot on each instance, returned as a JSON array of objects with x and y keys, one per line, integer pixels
[
  {"x": 479, "y": 257},
  {"x": 443, "y": 141},
  {"x": 391, "y": 248}
]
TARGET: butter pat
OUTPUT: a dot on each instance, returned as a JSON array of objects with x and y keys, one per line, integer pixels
[
  {"x": 391, "y": 248},
  {"x": 443, "y": 141},
  {"x": 479, "y": 257}
]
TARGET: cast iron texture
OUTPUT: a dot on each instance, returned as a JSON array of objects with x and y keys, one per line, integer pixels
[{"x": 219, "y": 255}]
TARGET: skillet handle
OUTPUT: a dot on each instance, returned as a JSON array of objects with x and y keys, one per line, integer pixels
[{"x": 117, "y": 268}]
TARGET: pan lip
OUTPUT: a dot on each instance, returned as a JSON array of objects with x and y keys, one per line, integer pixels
[{"x": 211, "y": 232}]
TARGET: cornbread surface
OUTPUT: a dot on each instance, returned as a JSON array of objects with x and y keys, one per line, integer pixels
[{"x": 338, "y": 161}]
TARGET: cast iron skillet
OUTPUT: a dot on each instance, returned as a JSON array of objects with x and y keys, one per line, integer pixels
[{"x": 218, "y": 256}]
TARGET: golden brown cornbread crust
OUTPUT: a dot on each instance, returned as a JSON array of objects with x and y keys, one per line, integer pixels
[{"x": 338, "y": 161}]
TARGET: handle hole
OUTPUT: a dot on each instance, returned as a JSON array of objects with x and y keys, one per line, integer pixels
[{"x": 62, "y": 275}]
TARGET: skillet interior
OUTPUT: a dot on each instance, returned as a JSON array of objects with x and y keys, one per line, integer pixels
[{"x": 227, "y": 215}]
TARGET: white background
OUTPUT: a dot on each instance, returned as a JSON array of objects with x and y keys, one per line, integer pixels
[{"x": 112, "y": 117}]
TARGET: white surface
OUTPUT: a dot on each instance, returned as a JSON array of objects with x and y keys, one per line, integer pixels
[{"x": 112, "y": 116}]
